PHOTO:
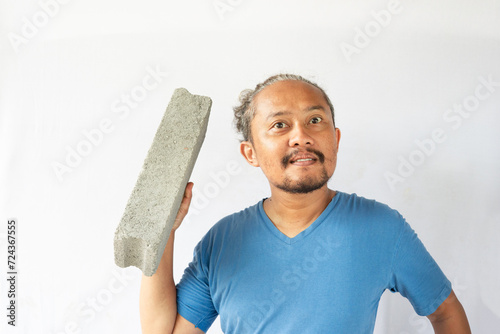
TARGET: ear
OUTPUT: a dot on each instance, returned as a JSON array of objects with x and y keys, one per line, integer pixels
[
  {"x": 248, "y": 152},
  {"x": 337, "y": 134}
]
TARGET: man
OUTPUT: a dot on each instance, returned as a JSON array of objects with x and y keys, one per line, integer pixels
[{"x": 307, "y": 259}]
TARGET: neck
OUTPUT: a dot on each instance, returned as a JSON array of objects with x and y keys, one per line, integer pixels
[{"x": 293, "y": 213}]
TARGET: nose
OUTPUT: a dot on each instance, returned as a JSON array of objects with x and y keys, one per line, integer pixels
[{"x": 299, "y": 136}]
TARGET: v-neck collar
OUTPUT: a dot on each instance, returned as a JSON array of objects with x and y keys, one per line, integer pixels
[{"x": 280, "y": 235}]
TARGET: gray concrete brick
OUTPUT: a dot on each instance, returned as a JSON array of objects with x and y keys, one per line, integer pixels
[{"x": 143, "y": 231}]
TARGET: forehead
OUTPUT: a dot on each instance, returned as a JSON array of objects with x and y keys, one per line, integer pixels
[{"x": 288, "y": 95}]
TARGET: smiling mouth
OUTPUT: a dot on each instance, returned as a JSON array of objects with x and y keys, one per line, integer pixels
[
  {"x": 310, "y": 157},
  {"x": 302, "y": 160}
]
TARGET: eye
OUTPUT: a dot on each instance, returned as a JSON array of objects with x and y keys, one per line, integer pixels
[
  {"x": 315, "y": 120},
  {"x": 279, "y": 125}
]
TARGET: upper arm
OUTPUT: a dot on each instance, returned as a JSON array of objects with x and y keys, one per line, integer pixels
[
  {"x": 183, "y": 326},
  {"x": 416, "y": 275},
  {"x": 450, "y": 316},
  {"x": 194, "y": 297}
]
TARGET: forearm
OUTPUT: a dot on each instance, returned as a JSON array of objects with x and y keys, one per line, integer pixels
[
  {"x": 456, "y": 323},
  {"x": 452, "y": 326},
  {"x": 157, "y": 301}
]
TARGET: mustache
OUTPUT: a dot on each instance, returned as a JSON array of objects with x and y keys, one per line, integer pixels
[{"x": 286, "y": 158}]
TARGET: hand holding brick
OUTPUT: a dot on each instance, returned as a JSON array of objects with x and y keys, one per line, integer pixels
[{"x": 152, "y": 207}]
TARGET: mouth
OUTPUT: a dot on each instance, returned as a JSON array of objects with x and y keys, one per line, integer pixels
[
  {"x": 303, "y": 159},
  {"x": 296, "y": 158}
]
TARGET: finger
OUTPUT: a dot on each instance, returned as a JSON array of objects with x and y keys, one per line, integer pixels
[
  {"x": 188, "y": 194},
  {"x": 184, "y": 207}
]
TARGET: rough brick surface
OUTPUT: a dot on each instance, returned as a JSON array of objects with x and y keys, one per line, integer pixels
[{"x": 142, "y": 234}]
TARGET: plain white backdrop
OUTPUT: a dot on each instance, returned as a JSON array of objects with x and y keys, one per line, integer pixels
[{"x": 84, "y": 84}]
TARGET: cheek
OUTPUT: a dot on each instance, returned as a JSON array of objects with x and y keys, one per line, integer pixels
[
  {"x": 268, "y": 150},
  {"x": 269, "y": 158},
  {"x": 331, "y": 155}
]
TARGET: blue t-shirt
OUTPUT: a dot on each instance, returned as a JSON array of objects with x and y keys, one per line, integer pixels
[{"x": 327, "y": 279}]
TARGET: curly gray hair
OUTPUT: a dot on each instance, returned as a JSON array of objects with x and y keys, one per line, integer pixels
[{"x": 245, "y": 112}]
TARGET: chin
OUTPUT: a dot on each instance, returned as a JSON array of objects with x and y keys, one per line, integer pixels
[{"x": 304, "y": 185}]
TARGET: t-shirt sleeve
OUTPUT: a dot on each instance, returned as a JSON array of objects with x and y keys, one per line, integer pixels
[
  {"x": 194, "y": 301},
  {"x": 416, "y": 275}
]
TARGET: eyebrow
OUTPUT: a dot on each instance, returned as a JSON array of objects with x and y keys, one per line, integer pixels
[
  {"x": 281, "y": 113},
  {"x": 278, "y": 113},
  {"x": 315, "y": 108}
]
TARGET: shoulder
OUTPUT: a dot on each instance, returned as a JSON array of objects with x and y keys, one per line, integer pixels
[
  {"x": 228, "y": 233},
  {"x": 235, "y": 223},
  {"x": 237, "y": 219},
  {"x": 361, "y": 204},
  {"x": 357, "y": 207}
]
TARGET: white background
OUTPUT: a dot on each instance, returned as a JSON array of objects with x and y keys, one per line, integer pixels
[{"x": 61, "y": 79}]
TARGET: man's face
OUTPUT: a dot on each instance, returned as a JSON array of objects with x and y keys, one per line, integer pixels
[{"x": 294, "y": 140}]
